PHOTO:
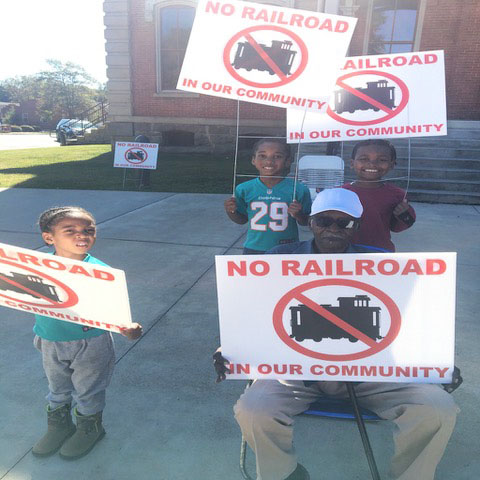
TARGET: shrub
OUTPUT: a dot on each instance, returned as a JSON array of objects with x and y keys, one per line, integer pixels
[{"x": 27, "y": 128}]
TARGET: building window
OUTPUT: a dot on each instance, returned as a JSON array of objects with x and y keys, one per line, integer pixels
[
  {"x": 393, "y": 26},
  {"x": 174, "y": 24},
  {"x": 178, "y": 138}
]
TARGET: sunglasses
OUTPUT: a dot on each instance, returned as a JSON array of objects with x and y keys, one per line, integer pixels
[{"x": 324, "y": 222}]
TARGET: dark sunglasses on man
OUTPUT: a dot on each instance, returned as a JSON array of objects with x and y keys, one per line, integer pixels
[{"x": 323, "y": 221}]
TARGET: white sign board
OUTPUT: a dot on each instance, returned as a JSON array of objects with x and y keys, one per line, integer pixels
[
  {"x": 358, "y": 317},
  {"x": 379, "y": 96},
  {"x": 79, "y": 292},
  {"x": 136, "y": 155},
  {"x": 265, "y": 54}
]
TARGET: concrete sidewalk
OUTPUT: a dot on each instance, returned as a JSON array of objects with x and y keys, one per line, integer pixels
[
  {"x": 17, "y": 141},
  {"x": 165, "y": 418}
]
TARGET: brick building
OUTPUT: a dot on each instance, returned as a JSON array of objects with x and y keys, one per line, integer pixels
[{"x": 146, "y": 41}]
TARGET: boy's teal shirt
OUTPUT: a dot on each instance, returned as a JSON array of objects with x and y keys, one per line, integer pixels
[
  {"x": 60, "y": 331},
  {"x": 259, "y": 203}
]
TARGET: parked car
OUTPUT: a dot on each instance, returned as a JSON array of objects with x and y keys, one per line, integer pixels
[{"x": 69, "y": 130}]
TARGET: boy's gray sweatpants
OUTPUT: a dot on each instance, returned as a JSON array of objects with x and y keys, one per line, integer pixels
[
  {"x": 424, "y": 415},
  {"x": 79, "y": 370}
]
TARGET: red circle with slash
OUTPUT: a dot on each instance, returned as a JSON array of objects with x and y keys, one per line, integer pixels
[
  {"x": 390, "y": 113},
  {"x": 372, "y": 346},
  {"x": 137, "y": 160},
  {"x": 72, "y": 298},
  {"x": 284, "y": 79}
]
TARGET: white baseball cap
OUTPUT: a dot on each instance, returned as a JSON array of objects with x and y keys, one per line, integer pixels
[{"x": 339, "y": 199}]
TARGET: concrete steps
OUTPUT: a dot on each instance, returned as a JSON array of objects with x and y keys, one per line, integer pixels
[{"x": 442, "y": 169}]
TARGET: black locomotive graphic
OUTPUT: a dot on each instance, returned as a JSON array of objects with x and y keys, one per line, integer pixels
[
  {"x": 380, "y": 91},
  {"x": 307, "y": 324},
  {"x": 280, "y": 53},
  {"x": 138, "y": 155},
  {"x": 32, "y": 282}
]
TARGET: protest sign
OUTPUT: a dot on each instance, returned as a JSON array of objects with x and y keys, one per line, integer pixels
[
  {"x": 358, "y": 317},
  {"x": 379, "y": 96},
  {"x": 85, "y": 293},
  {"x": 136, "y": 155},
  {"x": 265, "y": 54}
]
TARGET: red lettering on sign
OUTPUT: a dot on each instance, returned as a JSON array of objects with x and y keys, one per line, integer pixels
[
  {"x": 312, "y": 267},
  {"x": 241, "y": 269},
  {"x": 340, "y": 270},
  {"x": 290, "y": 266},
  {"x": 264, "y": 368},
  {"x": 53, "y": 264},
  {"x": 240, "y": 368},
  {"x": 259, "y": 268},
  {"x": 23, "y": 257},
  {"x": 79, "y": 269},
  {"x": 341, "y": 26},
  {"x": 364, "y": 266},
  {"x": 412, "y": 266},
  {"x": 398, "y": 61},
  {"x": 296, "y": 20},
  {"x": 226, "y": 9},
  {"x": 296, "y": 370},
  {"x": 4, "y": 255},
  {"x": 101, "y": 275},
  {"x": 248, "y": 12},
  {"x": 326, "y": 25},
  {"x": 435, "y": 266},
  {"x": 392, "y": 269}
]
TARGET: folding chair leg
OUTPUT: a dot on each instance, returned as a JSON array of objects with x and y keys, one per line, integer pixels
[
  {"x": 363, "y": 432},
  {"x": 243, "y": 457}
]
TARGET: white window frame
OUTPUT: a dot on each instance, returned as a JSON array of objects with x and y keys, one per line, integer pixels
[
  {"x": 418, "y": 29},
  {"x": 157, "y": 13}
]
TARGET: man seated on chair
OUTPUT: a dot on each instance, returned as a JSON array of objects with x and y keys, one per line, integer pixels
[{"x": 423, "y": 413}]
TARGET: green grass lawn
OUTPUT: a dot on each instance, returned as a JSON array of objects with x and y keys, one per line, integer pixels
[{"x": 90, "y": 167}]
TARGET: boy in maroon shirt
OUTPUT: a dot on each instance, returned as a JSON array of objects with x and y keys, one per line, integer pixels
[{"x": 385, "y": 206}]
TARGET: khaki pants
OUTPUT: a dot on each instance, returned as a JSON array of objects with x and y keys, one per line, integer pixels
[{"x": 424, "y": 415}]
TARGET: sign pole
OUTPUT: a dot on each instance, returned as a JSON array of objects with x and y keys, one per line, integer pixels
[
  {"x": 408, "y": 167},
  {"x": 236, "y": 148},
  {"x": 298, "y": 156},
  {"x": 363, "y": 432}
]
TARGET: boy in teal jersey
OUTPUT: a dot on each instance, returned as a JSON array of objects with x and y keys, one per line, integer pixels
[
  {"x": 78, "y": 361},
  {"x": 267, "y": 202}
]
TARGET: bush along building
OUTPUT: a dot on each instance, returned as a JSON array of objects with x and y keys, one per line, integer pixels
[{"x": 146, "y": 42}]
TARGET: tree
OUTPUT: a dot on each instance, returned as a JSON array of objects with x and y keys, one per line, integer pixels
[{"x": 65, "y": 90}]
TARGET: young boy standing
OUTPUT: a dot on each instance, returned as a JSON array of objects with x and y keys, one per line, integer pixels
[
  {"x": 385, "y": 207},
  {"x": 78, "y": 361},
  {"x": 267, "y": 202}
]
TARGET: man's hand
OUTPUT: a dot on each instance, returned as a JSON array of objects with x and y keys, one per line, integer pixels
[
  {"x": 220, "y": 365},
  {"x": 456, "y": 381}
]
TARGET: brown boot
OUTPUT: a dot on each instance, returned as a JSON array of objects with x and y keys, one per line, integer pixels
[
  {"x": 60, "y": 427},
  {"x": 89, "y": 431}
]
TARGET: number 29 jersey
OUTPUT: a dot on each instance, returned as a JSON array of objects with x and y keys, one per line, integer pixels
[{"x": 269, "y": 223}]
